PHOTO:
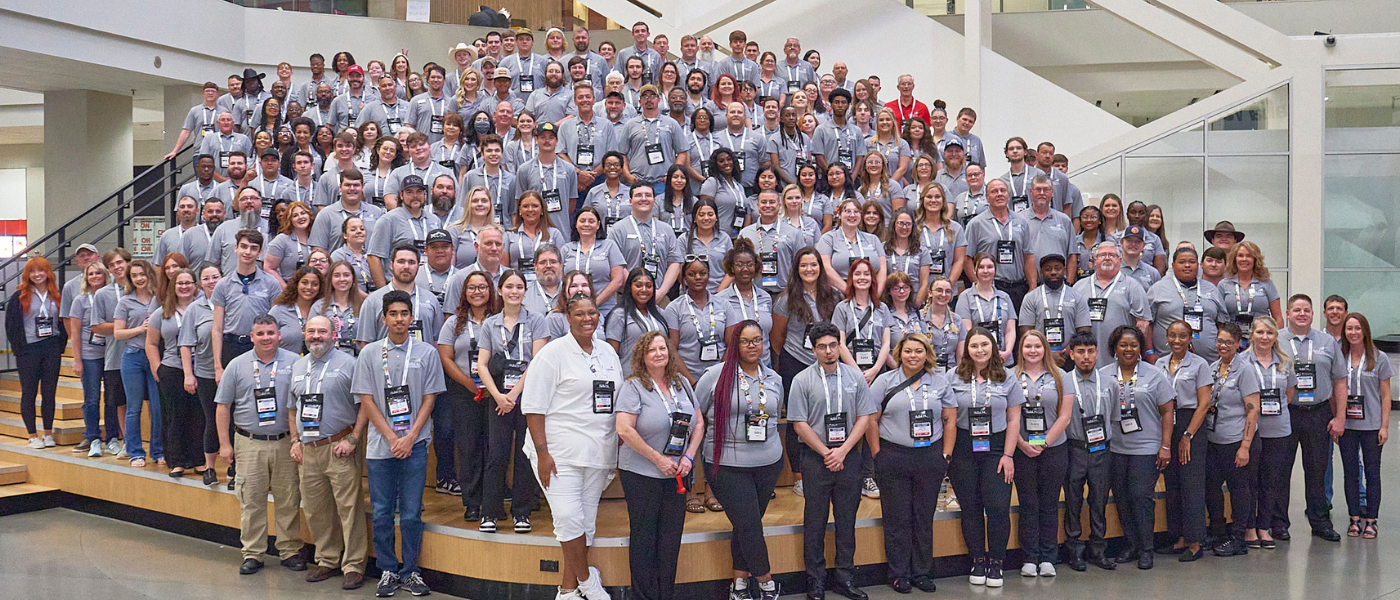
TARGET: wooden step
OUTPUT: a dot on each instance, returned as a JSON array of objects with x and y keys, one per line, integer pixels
[
  {"x": 11, "y": 473},
  {"x": 65, "y": 408},
  {"x": 68, "y": 387},
  {"x": 66, "y": 432}
]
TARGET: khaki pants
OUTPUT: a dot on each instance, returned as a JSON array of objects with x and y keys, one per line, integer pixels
[
  {"x": 267, "y": 466},
  {"x": 331, "y": 497}
]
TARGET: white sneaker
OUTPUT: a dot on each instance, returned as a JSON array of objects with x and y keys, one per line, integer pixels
[
  {"x": 1028, "y": 570},
  {"x": 121, "y": 449},
  {"x": 48, "y": 441},
  {"x": 95, "y": 451},
  {"x": 593, "y": 588},
  {"x": 797, "y": 488},
  {"x": 36, "y": 443},
  {"x": 569, "y": 595},
  {"x": 1047, "y": 569},
  {"x": 114, "y": 447},
  {"x": 870, "y": 490}
]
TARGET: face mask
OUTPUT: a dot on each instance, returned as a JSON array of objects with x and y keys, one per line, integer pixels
[
  {"x": 482, "y": 127},
  {"x": 1055, "y": 283}
]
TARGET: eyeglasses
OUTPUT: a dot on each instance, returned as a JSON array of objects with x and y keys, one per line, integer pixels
[
  {"x": 480, "y": 287},
  {"x": 827, "y": 346},
  {"x": 751, "y": 343},
  {"x": 694, "y": 257}
]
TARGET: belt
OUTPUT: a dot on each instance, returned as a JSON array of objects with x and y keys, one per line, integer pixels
[
  {"x": 258, "y": 436},
  {"x": 1085, "y": 445},
  {"x": 330, "y": 440},
  {"x": 242, "y": 339},
  {"x": 1311, "y": 407}
]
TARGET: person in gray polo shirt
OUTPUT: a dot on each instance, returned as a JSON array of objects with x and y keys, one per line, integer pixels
[
  {"x": 775, "y": 244},
  {"x": 1136, "y": 265},
  {"x": 649, "y": 243},
  {"x": 184, "y": 221},
  {"x": 407, "y": 224},
  {"x": 1006, "y": 237},
  {"x": 830, "y": 407},
  {"x": 251, "y": 404},
  {"x": 326, "y": 230},
  {"x": 223, "y": 244},
  {"x": 1114, "y": 299},
  {"x": 85, "y": 255},
  {"x": 1319, "y": 403},
  {"x": 1089, "y": 437},
  {"x": 652, "y": 144},
  {"x": 202, "y": 186},
  {"x": 245, "y": 293},
  {"x": 194, "y": 244},
  {"x": 223, "y": 142},
  {"x": 1054, "y": 308},
  {"x": 1052, "y": 232},
  {"x": 552, "y": 177},
  {"x": 427, "y": 317},
  {"x": 839, "y": 140},
  {"x": 551, "y": 103}
]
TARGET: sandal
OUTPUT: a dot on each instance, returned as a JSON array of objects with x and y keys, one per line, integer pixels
[
  {"x": 693, "y": 505},
  {"x": 712, "y": 503},
  {"x": 1354, "y": 530},
  {"x": 138, "y": 463},
  {"x": 1370, "y": 532}
]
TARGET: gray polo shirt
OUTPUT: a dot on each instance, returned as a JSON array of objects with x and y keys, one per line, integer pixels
[
  {"x": 390, "y": 117},
  {"x": 290, "y": 322},
  {"x": 997, "y": 395},
  {"x": 500, "y": 188},
  {"x": 796, "y": 343},
  {"x": 939, "y": 249},
  {"x": 130, "y": 309},
  {"x": 1143, "y": 272},
  {"x": 1040, "y": 391},
  {"x": 626, "y": 327},
  {"x": 782, "y": 240},
  {"x": 464, "y": 345},
  {"x": 1019, "y": 186},
  {"x": 238, "y": 385},
  {"x": 1168, "y": 299},
  {"x": 1367, "y": 383},
  {"x": 348, "y": 109},
  {"x": 1127, "y": 304},
  {"x": 329, "y": 376},
  {"x": 986, "y": 233},
  {"x": 194, "y": 244},
  {"x": 550, "y": 107},
  {"x": 418, "y": 367},
  {"x": 169, "y": 242},
  {"x": 841, "y": 249},
  {"x": 714, "y": 252},
  {"x": 650, "y": 239},
  {"x": 195, "y": 334},
  {"x": 954, "y": 186},
  {"x": 766, "y": 396},
  {"x": 531, "y": 66},
  {"x": 398, "y": 226},
  {"x": 241, "y": 307},
  {"x": 641, "y": 132},
  {"x": 653, "y": 413},
  {"x": 1228, "y": 399},
  {"x": 425, "y": 113},
  {"x": 1192, "y": 374},
  {"x": 727, "y": 194},
  {"x": 559, "y": 177},
  {"x": 577, "y": 135},
  {"x": 791, "y": 151},
  {"x": 909, "y": 264},
  {"x": 1274, "y": 377},
  {"x": 82, "y": 310},
  {"x": 169, "y": 334},
  {"x": 849, "y": 319},
  {"x": 931, "y": 392},
  {"x": 984, "y": 311},
  {"x": 750, "y": 146},
  {"x": 597, "y": 262},
  {"x": 843, "y": 144},
  {"x": 279, "y": 188},
  {"x": 968, "y": 205},
  {"x": 520, "y": 244},
  {"x": 1253, "y": 299},
  {"x": 425, "y": 309},
  {"x": 292, "y": 251},
  {"x": 1324, "y": 353},
  {"x": 1066, "y": 303},
  {"x": 698, "y": 327},
  {"x": 1151, "y": 391},
  {"x": 740, "y": 68},
  {"x": 883, "y": 195},
  {"x": 495, "y": 337},
  {"x": 224, "y": 243},
  {"x": 893, "y": 151},
  {"x": 220, "y": 146},
  {"x": 815, "y": 394},
  {"x": 325, "y": 231},
  {"x": 1091, "y": 399},
  {"x": 1053, "y": 233}
]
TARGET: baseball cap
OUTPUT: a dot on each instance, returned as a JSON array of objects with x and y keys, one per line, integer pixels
[
  {"x": 411, "y": 181},
  {"x": 648, "y": 88},
  {"x": 1133, "y": 231},
  {"x": 501, "y": 73},
  {"x": 355, "y": 69},
  {"x": 438, "y": 235},
  {"x": 89, "y": 247},
  {"x": 1052, "y": 257},
  {"x": 954, "y": 140},
  {"x": 547, "y": 127},
  {"x": 269, "y": 151}
]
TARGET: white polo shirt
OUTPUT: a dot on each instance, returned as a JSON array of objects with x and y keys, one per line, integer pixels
[{"x": 559, "y": 386}]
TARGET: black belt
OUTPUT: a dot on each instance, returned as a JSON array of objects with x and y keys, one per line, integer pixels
[
  {"x": 241, "y": 339},
  {"x": 258, "y": 436},
  {"x": 1084, "y": 445},
  {"x": 1311, "y": 407}
]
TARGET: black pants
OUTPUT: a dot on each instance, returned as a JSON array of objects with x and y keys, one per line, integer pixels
[
  {"x": 182, "y": 420},
  {"x": 1366, "y": 446},
  {"x": 38, "y": 376},
  {"x": 1186, "y": 484},
  {"x": 657, "y": 516},
  {"x": 113, "y": 397},
  {"x": 1271, "y": 485},
  {"x": 837, "y": 494},
  {"x": 1016, "y": 289},
  {"x": 981, "y": 488},
  {"x": 1086, "y": 468},
  {"x": 206, "y": 389},
  {"x": 443, "y": 447},
  {"x": 745, "y": 492},
  {"x": 232, "y": 348},
  {"x": 469, "y": 442},
  {"x": 1038, "y": 484},
  {"x": 788, "y": 368},
  {"x": 1221, "y": 469},
  {"x": 1134, "y": 479},
  {"x": 1309, "y": 433},
  {"x": 507, "y": 437},
  {"x": 909, "y": 480}
]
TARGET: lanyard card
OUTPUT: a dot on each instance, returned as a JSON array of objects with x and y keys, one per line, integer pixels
[
  {"x": 1006, "y": 252},
  {"x": 769, "y": 269},
  {"x": 515, "y": 369},
  {"x": 602, "y": 397},
  {"x": 835, "y": 429},
  {"x": 864, "y": 351},
  {"x": 979, "y": 420},
  {"x": 1095, "y": 433},
  {"x": 584, "y": 155},
  {"x": 1098, "y": 307},
  {"x": 680, "y": 433},
  {"x": 740, "y": 213},
  {"x": 994, "y": 328},
  {"x": 709, "y": 350},
  {"x": 396, "y": 398},
  {"x": 937, "y": 267},
  {"x": 1356, "y": 406},
  {"x": 1128, "y": 420},
  {"x": 43, "y": 326},
  {"x": 1307, "y": 377},
  {"x": 921, "y": 427},
  {"x": 1270, "y": 402},
  {"x": 311, "y": 405},
  {"x": 1034, "y": 418},
  {"x": 654, "y": 154},
  {"x": 1055, "y": 332},
  {"x": 265, "y": 399},
  {"x": 552, "y": 200},
  {"x": 436, "y": 125},
  {"x": 757, "y": 429},
  {"x": 1196, "y": 318},
  {"x": 416, "y": 329}
]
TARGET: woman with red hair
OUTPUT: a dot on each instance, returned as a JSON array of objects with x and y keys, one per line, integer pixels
[{"x": 37, "y": 340}]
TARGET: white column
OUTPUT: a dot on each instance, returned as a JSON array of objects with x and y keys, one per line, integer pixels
[
  {"x": 1307, "y": 131},
  {"x": 88, "y": 154},
  {"x": 177, "y": 101},
  {"x": 977, "y": 34}
]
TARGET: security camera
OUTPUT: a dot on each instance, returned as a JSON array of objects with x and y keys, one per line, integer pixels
[{"x": 1330, "y": 41}]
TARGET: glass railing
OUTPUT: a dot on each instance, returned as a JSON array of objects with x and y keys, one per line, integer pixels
[
  {"x": 935, "y": 8},
  {"x": 358, "y": 8}
]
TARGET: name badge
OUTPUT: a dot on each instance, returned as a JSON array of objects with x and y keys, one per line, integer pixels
[
  {"x": 1055, "y": 333},
  {"x": 1128, "y": 420},
  {"x": 654, "y": 154},
  {"x": 994, "y": 328},
  {"x": 448, "y": 164},
  {"x": 602, "y": 397},
  {"x": 768, "y": 268},
  {"x": 757, "y": 429},
  {"x": 709, "y": 350},
  {"x": 552, "y": 200},
  {"x": 515, "y": 369},
  {"x": 526, "y": 265},
  {"x": 1196, "y": 318},
  {"x": 921, "y": 427},
  {"x": 793, "y": 86},
  {"x": 740, "y": 213},
  {"x": 527, "y": 83},
  {"x": 680, "y": 433},
  {"x": 1095, "y": 433},
  {"x": 396, "y": 399},
  {"x": 937, "y": 267},
  {"x": 807, "y": 339},
  {"x": 1006, "y": 252},
  {"x": 1356, "y": 406},
  {"x": 979, "y": 421},
  {"x": 585, "y": 155},
  {"x": 416, "y": 330},
  {"x": 835, "y": 429},
  {"x": 311, "y": 405},
  {"x": 652, "y": 264},
  {"x": 476, "y": 366},
  {"x": 1020, "y": 203},
  {"x": 393, "y": 124},
  {"x": 1034, "y": 418},
  {"x": 43, "y": 326},
  {"x": 223, "y": 159},
  {"x": 864, "y": 351},
  {"x": 1270, "y": 402},
  {"x": 436, "y": 125},
  {"x": 265, "y": 400},
  {"x": 1098, "y": 307},
  {"x": 96, "y": 340},
  {"x": 1245, "y": 320},
  {"x": 1307, "y": 377}
]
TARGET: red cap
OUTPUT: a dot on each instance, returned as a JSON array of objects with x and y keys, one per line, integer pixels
[{"x": 355, "y": 69}]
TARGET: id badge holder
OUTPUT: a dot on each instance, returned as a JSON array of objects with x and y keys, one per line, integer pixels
[
  {"x": 449, "y": 165},
  {"x": 1307, "y": 380},
  {"x": 740, "y": 213},
  {"x": 807, "y": 339},
  {"x": 603, "y": 397},
  {"x": 1211, "y": 414},
  {"x": 756, "y": 430},
  {"x": 223, "y": 159},
  {"x": 979, "y": 421},
  {"x": 1196, "y": 318},
  {"x": 1244, "y": 320},
  {"x": 265, "y": 399},
  {"x": 1055, "y": 333},
  {"x": 393, "y": 124},
  {"x": 739, "y": 161},
  {"x": 768, "y": 262},
  {"x": 835, "y": 429},
  {"x": 311, "y": 405},
  {"x": 553, "y": 202},
  {"x": 585, "y": 155},
  {"x": 1034, "y": 418},
  {"x": 97, "y": 340},
  {"x": 793, "y": 86},
  {"x": 993, "y": 328},
  {"x": 1006, "y": 252},
  {"x": 416, "y": 329},
  {"x": 1098, "y": 307},
  {"x": 527, "y": 268},
  {"x": 1128, "y": 420},
  {"x": 864, "y": 351},
  {"x": 43, "y": 326},
  {"x": 396, "y": 399},
  {"x": 1356, "y": 407},
  {"x": 1095, "y": 434},
  {"x": 1020, "y": 203},
  {"x": 436, "y": 125},
  {"x": 527, "y": 83},
  {"x": 515, "y": 369},
  {"x": 654, "y": 154},
  {"x": 709, "y": 350},
  {"x": 1270, "y": 402},
  {"x": 937, "y": 267},
  {"x": 266, "y": 211},
  {"x": 680, "y": 433},
  {"x": 652, "y": 264},
  {"x": 921, "y": 427},
  {"x": 476, "y": 366}
]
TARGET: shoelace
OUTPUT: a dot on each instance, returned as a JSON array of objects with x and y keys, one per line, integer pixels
[{"x": 387, "y": 578}]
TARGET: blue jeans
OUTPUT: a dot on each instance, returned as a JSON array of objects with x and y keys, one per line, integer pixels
[
  {"x": 92, "y": 399},
  {"x": 140, "y": 387},
  {"x": 398, "y": 484}
]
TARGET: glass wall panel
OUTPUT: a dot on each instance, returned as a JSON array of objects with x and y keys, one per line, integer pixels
[
  {"x": 1252, "y": 193},
  {"x": 1188, "y": 141},
  {"x": 1361, "y": 210},
  {"x": 1259, "y": 126},
  {"x": 1177, "y": 184},
  {"x": 1107, "y": 178},
  {"x": 1363, "y": 110},
  {"x": 1370, "y": 293}
]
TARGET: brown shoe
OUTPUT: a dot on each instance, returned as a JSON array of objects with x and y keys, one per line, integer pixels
[
  {"x": 352, "y": 581},
  {"x": 318, "y": 573}
]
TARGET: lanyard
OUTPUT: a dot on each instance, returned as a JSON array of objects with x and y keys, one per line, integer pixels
[
  {"x": 1003, "y": 235},
  {"x": 1307, "y": 342},
  {"x": 986, "y": 393},
  {"x": 1355, "y": 389},
  {"x": 694, "y": 137},
  {"x": 548, "y": 299},
  {"x": 1011, "y": 183},
  {"x": 854, "y": 248},
  {"x": 1181, "y": 291},
  {"x": 1273, "y": 373},
  {"x": 869, "y": 312},
  {"x": 43, "y": 304},
  {"x": 585, "y": 127},
  {"x": 827, "y": 391},
  {"x": 646, "y": 136},
  {"x": 923, "y": 389},
  {"x": 1025, "y": 388},
  {"x": 743, "y": 143},
  {"x": 310, "y": 194},
  {"x": 900, "y": 108},
  {"x": 435, "y": 105},
  {"x": 506, "y": 334},
  {"x": 1109, "y": 291},
  {"x": 981, "y": 312},
  {"x": 1127, "y": 389},
  {"x": 794, "y": 71},
  {"x": 637, "y": 229},
  {"x": 451, "y": 270},
  {"x": 322, "y": 377},
  {"x": 744, "y": 387},
  {"x": 262, "y": 186},
  {"x": 554, "y": 176},
  {"x": 384, "y": 356},
  {"x": 271, "y": 377},
  {"x": 673, "y": 392},
  {"x": 578, "y": 257},
  {"x": 709, "y": 312},
  {"x": 1240, "y": 291},
  {"x": 1044, "y": 301},
  {"x": 776, "y": 229},
  {"x": 413, "y": 224},
  {"x": 1079, "y": 394},
  {"x": 739, "y": 295}
]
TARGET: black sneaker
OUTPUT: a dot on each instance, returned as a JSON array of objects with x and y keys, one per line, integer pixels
[
  {"x": 979, "y": 572},
  {"x": 444, "y": 486},
  {"x": 414, "y": 584},
  {"x": 210, "y": 477},
  {"x": 388, "y": 584},
  {"x": 1231, "y": 547},
  {"x": 769, "y": 594},
  {"x": 471, "y": 514},
  {"x": 522, "y": 524},
  {"x": 925, "y": 584},
  {"x": 994, "y": 576}
]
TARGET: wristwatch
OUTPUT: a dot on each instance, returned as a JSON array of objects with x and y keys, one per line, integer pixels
[
  {"x": 351, "y": 438},
  {"x": 1188, "y": 435}
]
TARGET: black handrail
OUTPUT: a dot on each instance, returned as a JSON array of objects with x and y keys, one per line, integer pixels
[{"x": 123, "y": 197}]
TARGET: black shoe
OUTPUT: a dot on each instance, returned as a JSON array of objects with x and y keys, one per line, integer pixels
[
  {"x": 295, "y": 562},
  {"x": 1128, "y": 556},
  {"x": 979, "y": 572},
  {"x": 210, "y": 477},
  {"x": 994, "y": 574},
  {"x": 250, "y": 566},
  {"x": 230, "y": 484},
  {"x": 902, "y": 586},
  {"x": 849, "y": 590},
  {"x": 414, "y": 584},
  {"x": 1255, "y": 543},
  {"x": 1145, "y": 561},
  {"x": 1268, "y": 544},
  {"x": 1328, "y": 534},
  {"x": 1231, "y": 547},
  {"x": 472, "y": 514},
  {"x": 1281, "y": 535},
  {"x": 388, "y": 584},
  {"x": 1076, "y": 559},
  {"x": 1189, "y": 556},
  {"x": 816, "y": 591},
  {"x": 1169, "y": 549},
  {"x": 925, "y": 584},
  {"x": 1103, "y": 562}
]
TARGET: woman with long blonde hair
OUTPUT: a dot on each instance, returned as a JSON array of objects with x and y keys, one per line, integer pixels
[
  {"x": 1247, "y": 289},
  {"x": 940, "y": 236},
  {"x": 1277, "y": 383},
  {"x": 1042, "y": 456}
]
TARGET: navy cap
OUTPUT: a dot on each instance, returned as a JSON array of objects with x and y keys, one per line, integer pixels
[
  {"x": 1052, "y": 258},
  {"x": 269, "y": 151},
  {"x": 1134, "y": 231},
  {"x": 412, "y": 181},
  {"x": 954, "y": 140},
  {"x": 438, "y": 235}
]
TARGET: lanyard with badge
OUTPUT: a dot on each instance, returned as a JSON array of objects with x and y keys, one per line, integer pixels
[
  {"x": 1033, "y": 411},
  {"x": 738, "y": 152},
  {"x": 515, "y": 367},
  {"x": 612, "y": 205},
  {"x": 1195, "y": 315},
  {"x": 1271, "y": 397},
  {"x": 938, "y": 258},
  {"x": 703, "y": 152},
  {"x": 43, "y": 322},
  {"x": 396, "y": 397},
  {"x": 709, "y": 340},
  {"x": 345, "y": 327},
  {"x": 863, "y": 346},
  {"x": 312, "y": 404},
  {"x": 655, "y": 156},
  {"x": 993, "y": 326},
  {"x": 1127, "y": 404},
  {"x": 1306, "y": 371},
  {"x": 440, "y": 292},
  {"x": 920, "y": 417},
  {"x": 1356, "y": 401},
  {"x": 93, "y": 338},
  {"x": 1095, "y": 434},
  {"x": 553, "y": 201},
  {"x": 435, "y": 107},
  {"x": 603, "y": 390},
  {"x": 225, "y": 150},
  {"x": 680, "y": 422},
  {"x": 651, "y": 254},
  {"x": 854, "y": 250},
  {"x": 835, "y": 420},
  {"x": 757, "y": 429},
  {"x": 392, "y": 121},
  {"x": 583, "y": 154},
  {"x": 1006, "y": 243},
  {"x": 1098, "y": 305},
  {"x": 265, "y": 398},
  {"x": 525, "y": 262},
  {"x": 527, "y": 82},
  {"x": 449, "y": 161},
  {"x": 794, "y": 81},
  {"x": 1244, "y": 311},
  {"x": 1019, "y": 200},
  {"x": 979, "y": 418},
  {"x": 208, "y": 120},
  {"x": 768, "y": 259},
  {"x": 736, "y": 189},
  {"x": 1054, "y": 326}
]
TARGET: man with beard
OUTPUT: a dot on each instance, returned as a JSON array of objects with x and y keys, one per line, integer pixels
[
  {"x": 443, "y": 196},
  {"x": 185, "y": 211},
  {"x": 1057, "y": 310},
  {"x": 202, "y": 188},
  {"x": 223, "y": 244},
  {"x": 403, "y": 268},
  {"x": 597, "y": 68},
  {"x": 425, "y": 111},
  {"x": 238, "y": 176},
  {"x": 408, "y": 225},
  {"x": 320, "y": 111},
  {"x": 420, "y": 154},
  {"x": 550, "y": 103},
  {"x": 348, "y": 106},
  {"x": 279, "y": 91},
  {"x": 194, "y": 244},
  {"x": 326, "y": 419},
  {"x": 690, "y": 62},
  {"x": 615, "y": 109},
  {"x": 224, "y": 143},
  {"x": 541, "y": 296},
  {"x": 695, "y": 84},
  {"x": 327, "y": 229},
  {"x": 273, "y": 185}
]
